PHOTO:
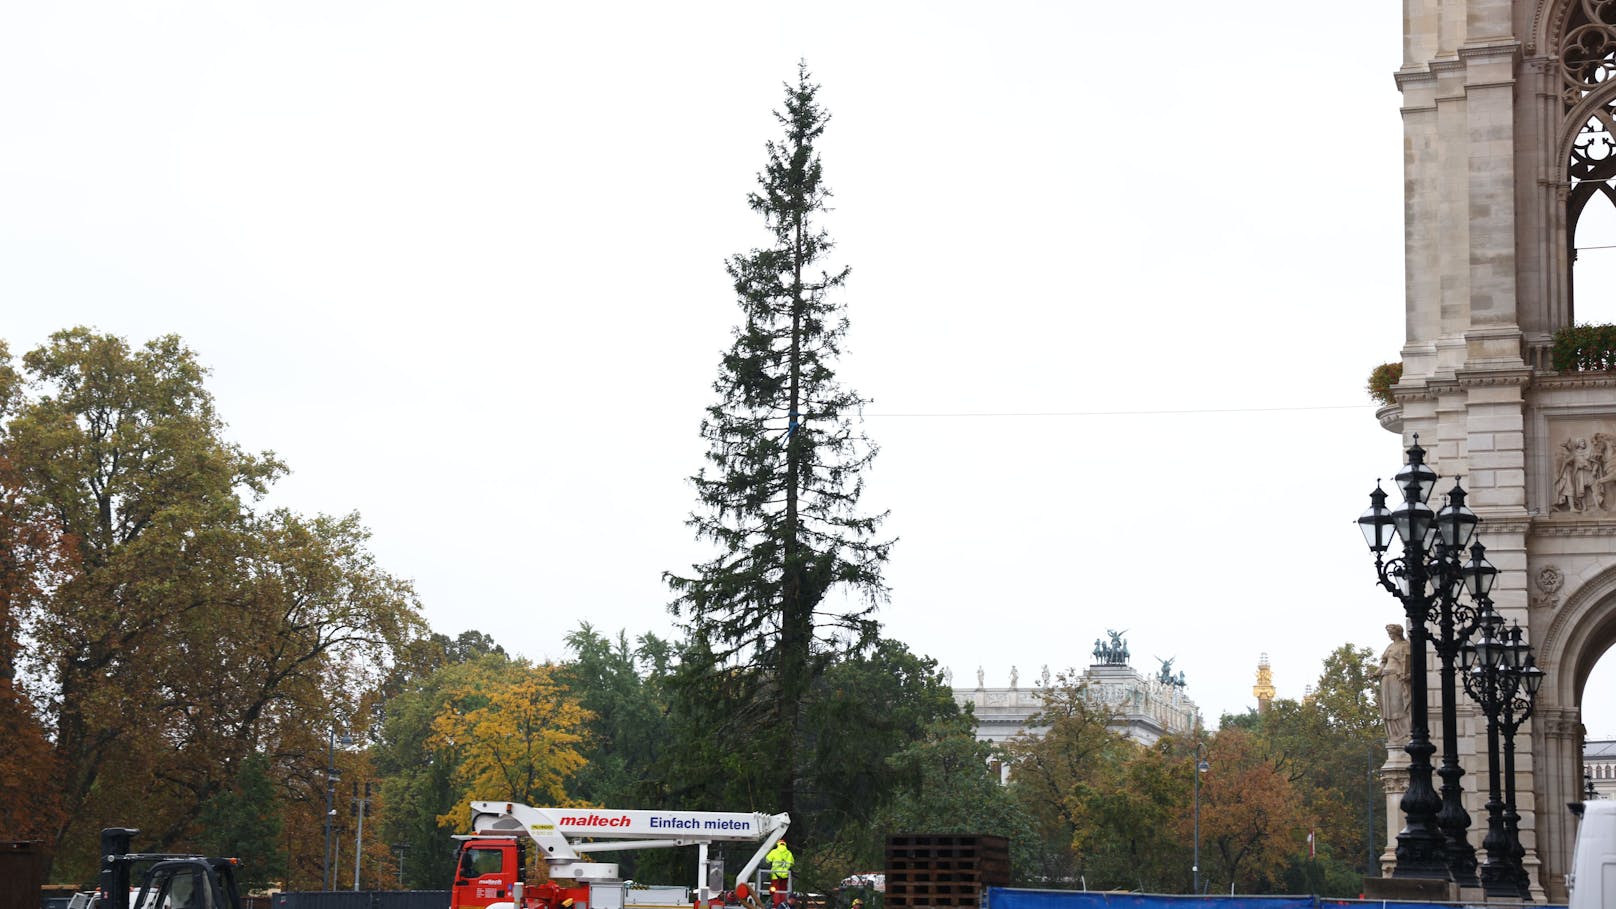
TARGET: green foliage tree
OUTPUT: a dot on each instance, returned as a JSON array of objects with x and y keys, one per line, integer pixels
[
  {"x": 622, "y": 688},
  {"x": 244, "y": 821},
  {"x": 1348, "y": 693},
  {"x": 1138, "y": 812},
  {"x": 781, "y": 502},
  {"x": 946, "y": 782},
  {"x": 862, "y": 711}
]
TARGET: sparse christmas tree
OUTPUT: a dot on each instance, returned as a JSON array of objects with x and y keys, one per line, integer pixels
[{"x": 797, "y": 577}]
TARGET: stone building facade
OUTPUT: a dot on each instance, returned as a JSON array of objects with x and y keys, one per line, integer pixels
[
  {"x": 1145, "y": 707},
  {"x": 1599, "y": 768},
  {"x": 1507, "y": 108}
]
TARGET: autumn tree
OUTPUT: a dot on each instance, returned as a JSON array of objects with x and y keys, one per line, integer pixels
[
  {"x": 419, "y": 773},
  {"x": 1327, "y": 747},
  {"x": 780, "y": 496},
  {"x": 517, "y": 734},
  {"x": 1055, "y": 776},
  {"x": 33, "y": 557},
  {"x": 183, "y": 634},
  {"x": 1252, "y": 822},
  {"x": 124, "y": 449}
]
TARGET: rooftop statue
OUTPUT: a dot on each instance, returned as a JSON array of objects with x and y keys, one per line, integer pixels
[{"x": 1114, "y": 653}]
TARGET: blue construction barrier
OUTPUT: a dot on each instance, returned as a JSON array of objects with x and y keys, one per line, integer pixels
[
  {"x": 1015, "y": 898},
  {"x": 1010, "y": 898}
]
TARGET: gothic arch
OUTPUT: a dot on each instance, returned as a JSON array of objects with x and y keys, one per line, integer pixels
[{"x": 1578, "y": 41}]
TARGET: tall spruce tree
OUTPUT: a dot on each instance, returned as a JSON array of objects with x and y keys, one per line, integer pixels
[{"x": 780, "y": 495}]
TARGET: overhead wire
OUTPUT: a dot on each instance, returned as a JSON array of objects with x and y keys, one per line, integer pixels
[{"x": 1122, "y": 413}]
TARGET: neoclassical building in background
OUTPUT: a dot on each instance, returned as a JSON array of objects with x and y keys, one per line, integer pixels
[
  {"x": 1145, "y": 707},
  {"x": 1507, "y": 109}
]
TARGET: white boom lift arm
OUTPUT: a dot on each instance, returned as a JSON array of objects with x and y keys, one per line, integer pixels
[{"x": 555, "y": 830}]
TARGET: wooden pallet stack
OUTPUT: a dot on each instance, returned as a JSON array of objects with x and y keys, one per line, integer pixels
[{"x": 931, "y": 871}]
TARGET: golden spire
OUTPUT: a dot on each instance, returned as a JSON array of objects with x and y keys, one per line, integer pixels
[{"x": 1264, "y": 689}]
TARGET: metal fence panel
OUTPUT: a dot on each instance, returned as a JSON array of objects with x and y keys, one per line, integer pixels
[
  {"x": 1016, "y": 898},
  {"x": 364, "y": 899}
]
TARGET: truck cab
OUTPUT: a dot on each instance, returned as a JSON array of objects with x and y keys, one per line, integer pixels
[{"x": 487, "y": 870}]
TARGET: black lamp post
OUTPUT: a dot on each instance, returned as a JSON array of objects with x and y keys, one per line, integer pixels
[
  {"x": 327, "y": 879},
  {"x": 1502, "y": 676},
  {"x": 1516, "y": 711},
  {"x": 1201, "y": 766},
  {"x": 1489, "y": 687},
  {"x": 1421, "y": 845},
  {"x": 331, "y": 776},
  {"x": 1456, "y": 525}
]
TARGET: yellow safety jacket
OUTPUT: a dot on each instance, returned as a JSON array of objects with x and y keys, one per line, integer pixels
[{"x": 780, "y": 861}]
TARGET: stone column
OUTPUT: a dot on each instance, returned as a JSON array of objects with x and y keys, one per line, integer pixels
[{"x": 1557, "y": 736}]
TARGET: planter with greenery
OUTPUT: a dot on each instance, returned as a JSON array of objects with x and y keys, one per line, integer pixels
[
  {"x": 1381, "y": 380},
  {"x": 1584, "y": 348}
]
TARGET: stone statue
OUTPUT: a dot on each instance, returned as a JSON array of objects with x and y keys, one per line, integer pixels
[
  {"x": 1043, "y": 679},
  {"x": 1115, "y": 653},
  {"x": 1013, "y": 676},
  {"x": 1394, "y": 687},
  {"x": 979, "y": 682},
  {"x": 948, "y": 677},
  {"x": 1604, "y": 469}
]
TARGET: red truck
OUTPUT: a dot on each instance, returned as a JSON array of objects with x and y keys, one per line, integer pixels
[{"x": 489, "y": 863}]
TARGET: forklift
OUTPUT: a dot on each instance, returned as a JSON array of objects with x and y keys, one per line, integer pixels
[{"x": 168, "y": 880}]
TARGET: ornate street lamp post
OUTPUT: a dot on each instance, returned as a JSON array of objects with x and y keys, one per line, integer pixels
[
  {"x": 1503, "y": 678},
  {"x": 1421, "y": 845},
  {"x": 1515, "y": 712},
  {"x": 1456, "y": 525}
]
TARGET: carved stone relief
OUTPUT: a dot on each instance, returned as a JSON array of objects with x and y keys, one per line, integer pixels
[
  {"x": 1548, "y": 581},
  {"x": 1584, "y": 475}
]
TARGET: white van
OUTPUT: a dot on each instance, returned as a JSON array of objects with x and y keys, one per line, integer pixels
[{"x": 1592, "y": 880}]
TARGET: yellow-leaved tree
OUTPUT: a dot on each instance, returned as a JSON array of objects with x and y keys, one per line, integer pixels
[{"x": 517, "y": 732}]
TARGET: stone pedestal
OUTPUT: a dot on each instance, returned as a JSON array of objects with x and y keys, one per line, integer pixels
[
  {"x": 1394, "y": 781},
  {"x": 1410, "y": 890}
]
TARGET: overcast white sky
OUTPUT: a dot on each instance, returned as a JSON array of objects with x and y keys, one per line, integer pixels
[{"x": 461, "y": 265}]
